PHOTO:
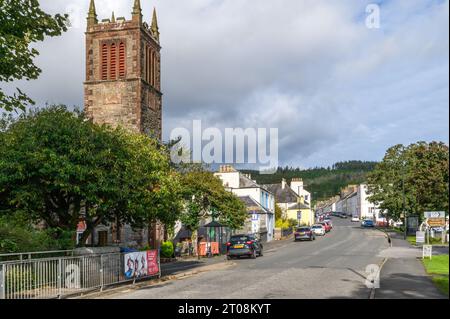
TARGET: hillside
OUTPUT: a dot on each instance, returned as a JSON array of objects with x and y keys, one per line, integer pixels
[{"x": 320, "y": 181}]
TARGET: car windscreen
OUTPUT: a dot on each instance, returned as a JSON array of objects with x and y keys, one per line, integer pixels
[
  {"x": 317, "y": 226},
  {"x": 302, "y": 229},
  {"x": 240, "y": 239}
]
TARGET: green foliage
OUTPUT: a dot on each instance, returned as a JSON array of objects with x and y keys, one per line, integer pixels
[
  {"x": 413, "y": 179},
  {"x": 23, "y": 23},
  {"x": 278, "y": 212},
  {"x": 167, "y": 249},
  {"x": 16, "y": 236},
  {"x": 322, "y": 182},
  {"x": 53, "y": 163},
  {"x": 204, "y": 193}
]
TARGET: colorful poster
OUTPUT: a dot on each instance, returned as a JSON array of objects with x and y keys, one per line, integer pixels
[
  {"x": 141, "y": 264},
  {"x": 152, "y": 261}
]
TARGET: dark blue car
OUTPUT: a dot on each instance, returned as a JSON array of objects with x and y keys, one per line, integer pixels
[{"x": 367, "y": 223}]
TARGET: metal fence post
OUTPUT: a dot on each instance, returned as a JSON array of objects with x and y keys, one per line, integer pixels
[
  {"x": 2, "y": 281},
  {"x": 59, "y": 278},
  {"x": 101, "y": 273}
]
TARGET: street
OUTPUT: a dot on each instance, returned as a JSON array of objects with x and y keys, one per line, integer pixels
[{"x": 331, "y": 267}]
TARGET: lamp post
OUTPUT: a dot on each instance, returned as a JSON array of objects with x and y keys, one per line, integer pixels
[{"x": 404, "y": 198}]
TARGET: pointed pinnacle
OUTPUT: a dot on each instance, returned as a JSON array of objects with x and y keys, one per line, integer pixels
[
  {"x": 154, "y": 27},
  {"x": 113, "y": 18},
  {"x": 92, "y": 15},
  {"x": 137, "y": 7}
]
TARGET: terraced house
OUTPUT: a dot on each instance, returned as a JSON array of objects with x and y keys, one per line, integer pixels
[{"x": 260, "y": 202}]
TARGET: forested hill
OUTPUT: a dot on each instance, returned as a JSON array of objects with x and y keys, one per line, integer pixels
[{"x": 322, "y": 182}]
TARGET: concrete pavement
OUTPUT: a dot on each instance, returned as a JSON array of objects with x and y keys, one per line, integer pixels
[{"x": 403, "y": 276}]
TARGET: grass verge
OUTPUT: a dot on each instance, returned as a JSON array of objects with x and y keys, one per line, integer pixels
[{"x": 438, "y": 268}]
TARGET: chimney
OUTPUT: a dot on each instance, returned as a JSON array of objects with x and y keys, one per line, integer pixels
[{"x": 297, "y": 185}]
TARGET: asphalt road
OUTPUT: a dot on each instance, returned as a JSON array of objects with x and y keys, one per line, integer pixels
[{"x": 333, "y": 266}]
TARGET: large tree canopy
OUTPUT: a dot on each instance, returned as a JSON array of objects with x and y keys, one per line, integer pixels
[
  {"x": 54, "y": 163},
  {"x": 413, "y": 178},
  {"x": 23, "y": 23}
]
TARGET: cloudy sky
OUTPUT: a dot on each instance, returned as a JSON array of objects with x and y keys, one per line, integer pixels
[{"x": 336, "y": 89}]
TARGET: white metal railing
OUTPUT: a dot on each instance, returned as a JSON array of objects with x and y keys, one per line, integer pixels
[
  {"x": 35, "y": 254},
  {"x": 60, "y": 277}
]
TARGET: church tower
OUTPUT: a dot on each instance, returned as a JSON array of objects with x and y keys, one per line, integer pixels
[{"x": 123, "y": 72}]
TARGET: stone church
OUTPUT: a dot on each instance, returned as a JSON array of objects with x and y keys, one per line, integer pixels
[{"x": 123, "y": 87}]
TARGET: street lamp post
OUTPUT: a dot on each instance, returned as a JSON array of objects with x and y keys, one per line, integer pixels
[{"x": 404, "y": 200}]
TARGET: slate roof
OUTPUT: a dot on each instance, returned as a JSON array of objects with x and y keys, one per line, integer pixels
[
  {"x": 245, "y": 182},
  {"x": 253, "y": 206},
  {"x": 286, "y": 195}
]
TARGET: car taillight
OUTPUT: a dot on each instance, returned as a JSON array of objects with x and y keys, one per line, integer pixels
[{"x": 249, "y": 242}]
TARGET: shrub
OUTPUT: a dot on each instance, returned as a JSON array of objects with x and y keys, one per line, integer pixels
[{"x": 167, "y": 249}]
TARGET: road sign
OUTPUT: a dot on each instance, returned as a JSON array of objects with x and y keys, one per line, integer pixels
[
  {"x": 420, "y": 237},
  {"x": 434, "y": 214},
  {"x": 436, "y": 222},
  {"x": 427, "y": 251}
]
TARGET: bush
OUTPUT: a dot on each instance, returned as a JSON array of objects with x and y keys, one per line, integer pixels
[
  {"x": 19, "y": 237},
  {"x": 167, "y": 249}
]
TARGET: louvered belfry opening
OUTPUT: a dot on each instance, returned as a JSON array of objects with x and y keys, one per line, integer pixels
[
  {"x": 104, "y": 62},
  {"x": 121, "y": 60},
  {"x": 113, "y": 61}
]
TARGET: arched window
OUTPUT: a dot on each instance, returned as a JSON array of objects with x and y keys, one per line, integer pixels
[
  {"x": 154, "y": 69},
  {"x": 121, "y": 60},
  {"x": 113, "y": 61},
  {"x": 151, "y": 67},
  {"x": 104, "y": 70}
]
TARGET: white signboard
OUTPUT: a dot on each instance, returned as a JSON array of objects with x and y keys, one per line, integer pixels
[
  {"x": 434, "y": 214},
  {"x": 427, "y": 251},
  {"x": 420, "y": 237}
]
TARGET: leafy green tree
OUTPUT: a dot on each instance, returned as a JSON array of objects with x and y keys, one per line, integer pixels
[
  {"x": 23, "y": 23},
  {"x": 411, "y": 179},
  {"x": 54, "y": 164}
]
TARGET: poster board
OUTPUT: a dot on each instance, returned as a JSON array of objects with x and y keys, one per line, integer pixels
[{"x": 141, "y": 264}]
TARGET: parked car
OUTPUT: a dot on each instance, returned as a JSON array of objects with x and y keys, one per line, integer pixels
[
  {"x": 304, "y": 233},
  {"x": 326, "y": 226},
  {"x": 329, "y": 223},
  {"x": 319, "y": 230},
  {"x": 244, "y": 245},
  {"x": 367, "y": 223},
  {"x": 355, "y": 219}
]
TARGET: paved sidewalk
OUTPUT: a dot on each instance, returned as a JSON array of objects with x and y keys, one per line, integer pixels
[{"x": 403, "y": 276}]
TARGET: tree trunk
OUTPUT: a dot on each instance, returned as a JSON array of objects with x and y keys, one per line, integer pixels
[{"x": 194, "y": 239}]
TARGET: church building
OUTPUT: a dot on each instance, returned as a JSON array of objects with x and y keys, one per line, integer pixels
[{"x": 123, "y": 87}]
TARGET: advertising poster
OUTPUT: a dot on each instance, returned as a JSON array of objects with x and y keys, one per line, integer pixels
[{"x": 141, "y": 264}]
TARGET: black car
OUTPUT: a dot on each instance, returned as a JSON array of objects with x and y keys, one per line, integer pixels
[{"x": 244, "y": 245}]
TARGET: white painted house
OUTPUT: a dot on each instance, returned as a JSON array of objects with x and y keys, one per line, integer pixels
[
  {"x": 354, "y": 201},
  {"x": 244, "y": 187}
]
